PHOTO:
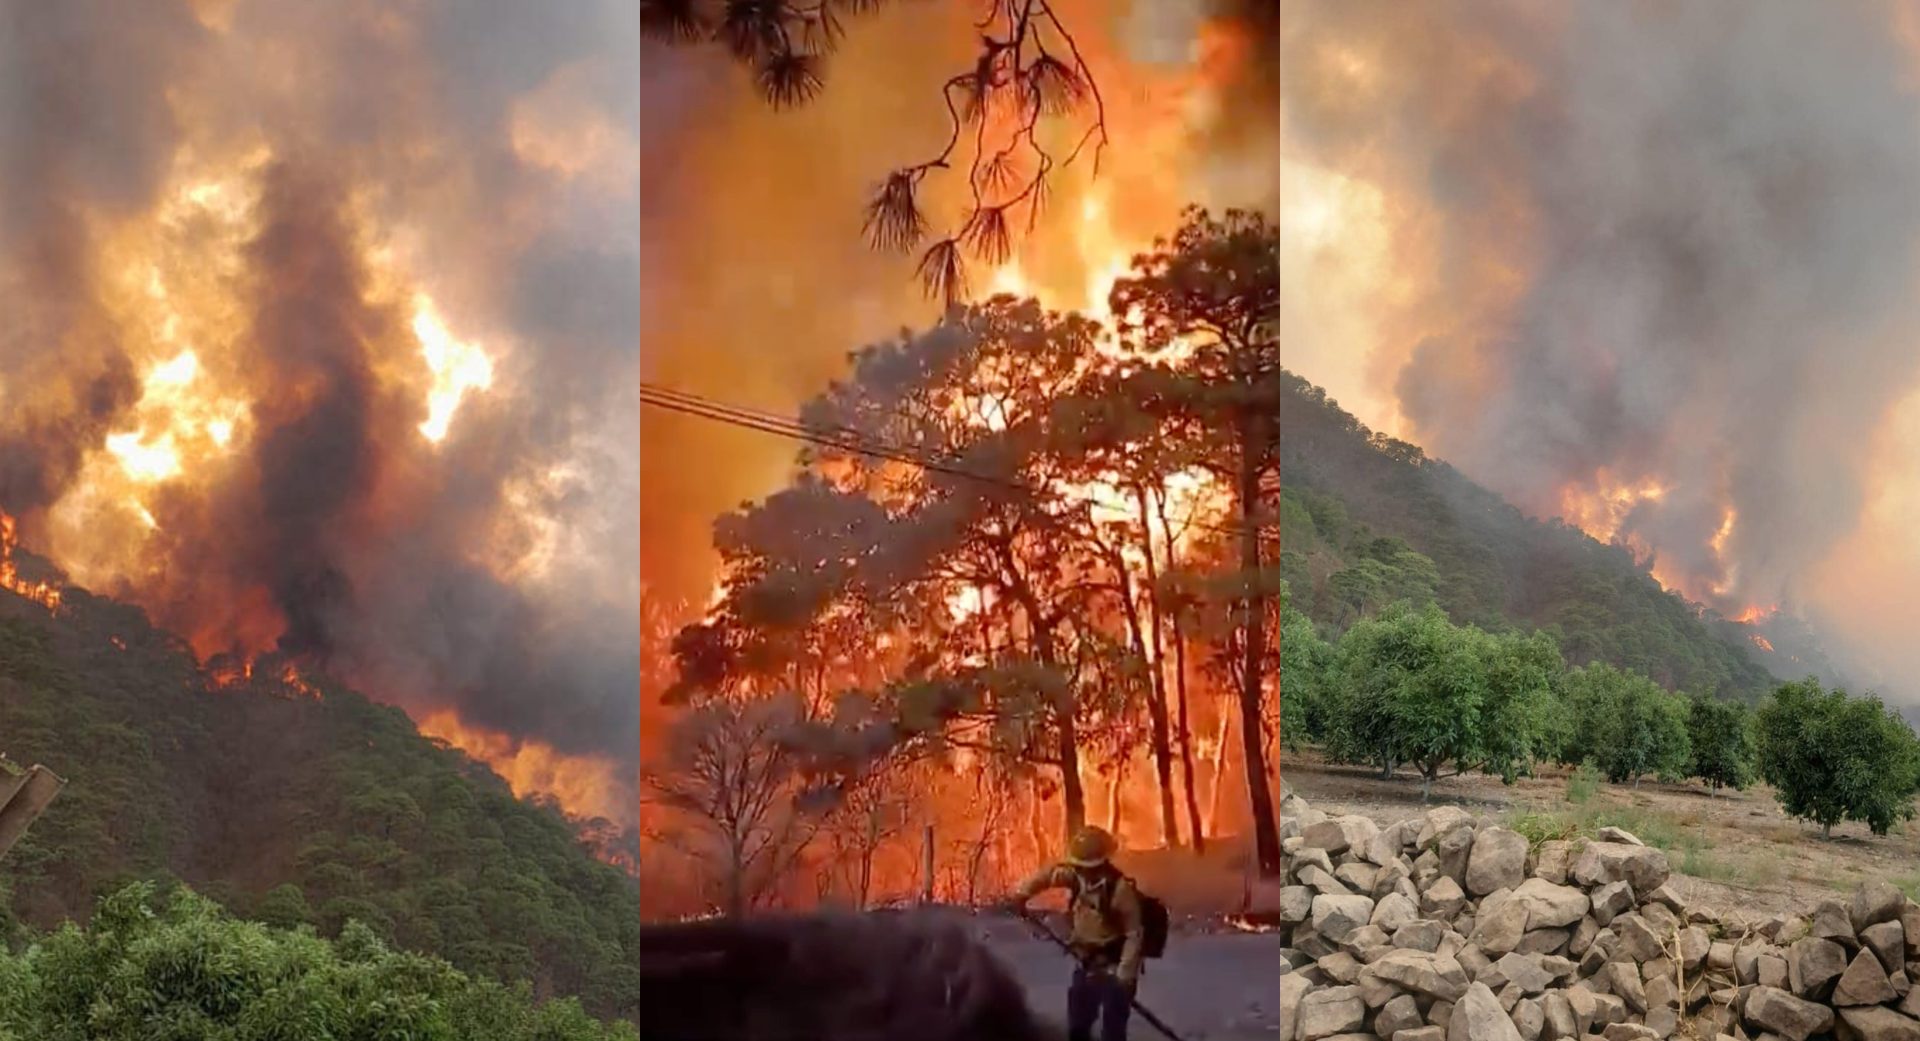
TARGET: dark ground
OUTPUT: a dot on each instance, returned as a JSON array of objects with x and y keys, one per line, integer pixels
[{"x": 1211, "y": 986}]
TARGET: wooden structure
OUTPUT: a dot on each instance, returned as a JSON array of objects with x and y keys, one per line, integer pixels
[{"x": 24, "y": 795}]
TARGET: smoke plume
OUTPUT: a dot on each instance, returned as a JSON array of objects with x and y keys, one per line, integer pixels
[
  {"x": 322, "y": 337},
  {"x": 1661, "y": 261}
]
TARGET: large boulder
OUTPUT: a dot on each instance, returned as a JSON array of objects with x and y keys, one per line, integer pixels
[
  {"x": 1880, "y": 1024},
  {"x": 1337, "y": 835},
  {"x": 1435, "y": 975},
  {"x": 1550, "y": 906},
  {"x": 1812, "y": 964},
  {"x": 1873, "y": 903},
  {"x": 1864, "y": 982},
  {"x": 1772, "y": 1009},
  {"x": 1329, "y": 1011},
  {"x": 1642, "y": 867},
  {"x": 1498, "y": 860},
  {"x": 1336, "y": 916},
  {"x": 1479, "y": 1016}
]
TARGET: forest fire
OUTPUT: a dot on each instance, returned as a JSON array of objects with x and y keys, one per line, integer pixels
[
  {"x": 43, "y": 593},
  {"x": 349, "y": 394},
  {"x": 1107, "y": 569},
  {"x": 585, "y": 787}
]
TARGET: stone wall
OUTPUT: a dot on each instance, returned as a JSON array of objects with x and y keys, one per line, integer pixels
[{"x": 1447, "y": 928}]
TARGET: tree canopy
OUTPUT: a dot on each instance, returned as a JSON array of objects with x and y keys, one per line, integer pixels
[
  {"x": 1410, "y": 687},
  {"x": 1834, "y": 758},
  {"x": 156, "y": 964},
  {"x": 291, "y": 807}
]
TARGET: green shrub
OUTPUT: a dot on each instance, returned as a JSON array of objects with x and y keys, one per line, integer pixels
[{"x": 1583, "y": 783}]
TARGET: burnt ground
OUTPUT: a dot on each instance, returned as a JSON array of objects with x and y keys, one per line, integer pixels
[
  {"x": 1728, "y": 849},
  {"x": 1210, "y": 986}
]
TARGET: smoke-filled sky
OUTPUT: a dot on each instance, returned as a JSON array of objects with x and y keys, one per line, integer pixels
[
  {"x": 321, "y": 335},
  {"x": 1650, "y": 267}
]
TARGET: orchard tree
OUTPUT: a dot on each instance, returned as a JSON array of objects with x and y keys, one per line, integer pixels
[
  {"x": 1304, "y": 660},
  {"x": 1625, "y": 724},
  {"x": 1724, "y": 748},
  {"x": 1833, "y": 758},
  {"x": 1411, "y": 687}
]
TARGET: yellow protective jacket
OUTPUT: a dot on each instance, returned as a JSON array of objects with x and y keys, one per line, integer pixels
[{"x": 1095, "y": 933}]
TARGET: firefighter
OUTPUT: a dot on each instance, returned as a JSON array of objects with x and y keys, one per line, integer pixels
[{"x": 1106, "y": 938}]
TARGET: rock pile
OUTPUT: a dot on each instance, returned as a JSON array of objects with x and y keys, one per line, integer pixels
[{"x": 1444, "y": 928}]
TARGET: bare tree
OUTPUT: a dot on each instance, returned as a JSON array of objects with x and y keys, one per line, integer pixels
[{"x": 728, "y": 770}]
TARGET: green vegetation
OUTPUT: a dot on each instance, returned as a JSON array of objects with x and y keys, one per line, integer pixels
[
  {"x": 1625, "y": 725},
  {"x": 156, "y": 966},
  {"x": 289, "y": 809},
  {"x": 1428, "y": 623},
  {"x": 1411, "y": 687},
  {"x": 1724, "y": 748},
  {"x": 1582, "y": 784},
  {"x": 1831, "y": 758}
]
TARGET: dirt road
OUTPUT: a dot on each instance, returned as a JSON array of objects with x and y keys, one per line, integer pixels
[{"x": 1209, "y": 987}]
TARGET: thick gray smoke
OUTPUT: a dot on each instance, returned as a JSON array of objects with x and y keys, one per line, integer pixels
[
  {"x": 1672, "y": 243},
  {"x": 492, "y": 144}
]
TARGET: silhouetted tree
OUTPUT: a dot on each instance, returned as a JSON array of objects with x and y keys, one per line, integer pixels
[{"x": 1029, "y": 67}]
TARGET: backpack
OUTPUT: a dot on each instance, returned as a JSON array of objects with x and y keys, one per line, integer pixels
[{"x": 1154, "y": 921}]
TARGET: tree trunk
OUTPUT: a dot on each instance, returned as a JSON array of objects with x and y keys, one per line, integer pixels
[
  {"x": 1219, "y": 769},
  {"x": 1156, "y": 694},
  {"x": 1036, "y": 828},
  {"x": 1180, "y": 680},
  {"x": 736, "y": 882},
  {"x": 1073, "y": 793},
  {"x": 1266, "y": 829},
  {"x": 1826, "y": 831},
  {"x": 1113, "y": 798}
]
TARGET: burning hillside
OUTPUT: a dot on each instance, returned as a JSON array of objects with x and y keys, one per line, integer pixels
[
  {"x": 1658, "y": 284},
  {"x": 320, "y": 338}
]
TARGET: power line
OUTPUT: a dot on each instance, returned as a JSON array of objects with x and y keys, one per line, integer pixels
[{"x": 859, "y": 443}]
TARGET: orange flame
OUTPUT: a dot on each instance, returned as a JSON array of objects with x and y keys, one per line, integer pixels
[
  {"x": 585, "y": 786},
  {"x": 45, "y": 594}
]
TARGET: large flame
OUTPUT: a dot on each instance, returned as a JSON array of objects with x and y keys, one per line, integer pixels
[
  {"x": 586, "y": 786},
  {"x": 45, "y": 594},
  {"x": 320, "y": 332}
]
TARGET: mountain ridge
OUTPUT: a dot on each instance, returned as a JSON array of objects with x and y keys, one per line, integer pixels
[
  {"x": 1346, "y": 488},
  {"x": 290, "y": 803}
]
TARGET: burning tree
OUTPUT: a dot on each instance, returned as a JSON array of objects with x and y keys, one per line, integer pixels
[{"x": 1003, "y": 520}]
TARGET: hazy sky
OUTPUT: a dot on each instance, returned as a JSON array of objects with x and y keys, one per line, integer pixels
[{"x": 1651, "y": 267}]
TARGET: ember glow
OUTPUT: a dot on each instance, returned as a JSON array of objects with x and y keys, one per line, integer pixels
[
  {"x": 320, "y": 345},
  {"x": 587, "y": 786},
  {"x": 1519, "y": 254}
]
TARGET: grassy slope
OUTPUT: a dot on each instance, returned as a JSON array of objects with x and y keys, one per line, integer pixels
[
  {"x": 289, "y": 809},
  {"x": 1345, "y": 487}
]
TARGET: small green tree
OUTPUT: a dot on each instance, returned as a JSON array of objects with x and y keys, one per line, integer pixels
[
  {"x": 1304, "y": 658},
  {"x": 1831, "y": 757},
  {"x": 1412, "y": 687},
  {"x": 1721, "y": 732},
  {"x": 1625, "y": 724}
]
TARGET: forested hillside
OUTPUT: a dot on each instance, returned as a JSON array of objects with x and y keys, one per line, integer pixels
[
  {"x": 289, "y": 806},
  {"x": 1368, "y": 520}
]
